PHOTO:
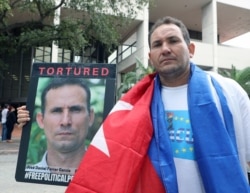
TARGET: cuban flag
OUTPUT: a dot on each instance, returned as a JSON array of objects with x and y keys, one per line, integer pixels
[
  {"x": 117, "y": 160},
  {"x": 131, "y": 153}
]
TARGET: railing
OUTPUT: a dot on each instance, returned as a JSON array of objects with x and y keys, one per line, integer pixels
[{"x": 125, "y": 53}]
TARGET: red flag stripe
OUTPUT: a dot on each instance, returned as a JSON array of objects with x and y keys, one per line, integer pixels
[{"x": 117, "y": 161}]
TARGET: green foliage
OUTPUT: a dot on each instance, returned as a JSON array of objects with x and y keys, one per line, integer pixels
[
  {"x": 240, "y": 76},
  {"x": 4, "y": 6},
  {"x": 81, "y": 22},
  {"x": 37, "y": 144},
  {"x": 130, "y": 78},
  {"x": 243, "y": 78}
]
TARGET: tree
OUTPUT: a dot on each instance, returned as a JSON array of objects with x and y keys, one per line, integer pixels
[
  {"x": 130, "y": 78},
  {"x": 28, "y": 23},
  {"x": 240, "y": 76},
  {"x": 243, "y": 78}
]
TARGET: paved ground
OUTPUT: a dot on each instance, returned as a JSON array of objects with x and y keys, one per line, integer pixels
[{"x": 8, "y": 161}]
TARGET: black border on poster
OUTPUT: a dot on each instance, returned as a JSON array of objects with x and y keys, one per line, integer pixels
[{"x": 52, "y": 70}]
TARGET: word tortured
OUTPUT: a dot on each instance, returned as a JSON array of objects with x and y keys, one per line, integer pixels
[{"x": 75, "y": 71}]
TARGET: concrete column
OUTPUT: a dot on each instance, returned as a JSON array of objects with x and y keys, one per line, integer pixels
[
  {"x": 142, "y": 38},
  {"x": 119, "y": 54},
  {"x": 54, "y": 55},
  {"x": 209, "y": 29}
]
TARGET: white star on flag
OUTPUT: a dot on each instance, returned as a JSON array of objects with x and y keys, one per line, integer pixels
[{"x": 99, "y": 140}]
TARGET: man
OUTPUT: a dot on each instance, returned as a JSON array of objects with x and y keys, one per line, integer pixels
[
  {"x": 4, "y": 114},
  {"x": 65, "y": 116},
  {"x": 178, "y": 130}
]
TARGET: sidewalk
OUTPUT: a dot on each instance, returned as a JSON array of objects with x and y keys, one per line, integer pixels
[
  {"x": 7, "y": 148},
  {"x": 8, "y": 161}
]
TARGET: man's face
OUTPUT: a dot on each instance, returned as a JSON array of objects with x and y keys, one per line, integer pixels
[
  {"x": 169, "y": 52},
  {"x": 66, "y": 119}
]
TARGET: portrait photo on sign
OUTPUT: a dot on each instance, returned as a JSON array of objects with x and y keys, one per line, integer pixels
[
  {"x": 66, "y": 112},
  {"x": 50, "y": 114}
]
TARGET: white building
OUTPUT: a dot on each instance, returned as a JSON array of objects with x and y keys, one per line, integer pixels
[{"x": 210, "y": 22}]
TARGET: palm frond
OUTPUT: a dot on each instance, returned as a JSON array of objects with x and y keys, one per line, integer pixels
[
  {"x": 243, "y": 78},
  {"x": 131, "y": 78}
]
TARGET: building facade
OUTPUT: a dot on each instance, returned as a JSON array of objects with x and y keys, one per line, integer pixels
[{"x": 210, "y": 23}]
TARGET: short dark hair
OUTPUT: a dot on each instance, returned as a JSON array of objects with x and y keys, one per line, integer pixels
[
  {"x": 170, "y": 20},
  {"x": 59, "y": 82}
]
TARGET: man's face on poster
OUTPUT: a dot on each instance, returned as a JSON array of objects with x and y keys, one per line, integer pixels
[{"x": 66, "y": 119}]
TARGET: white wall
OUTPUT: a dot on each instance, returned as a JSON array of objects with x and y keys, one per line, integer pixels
[
  {"x": 203, "y": 53},
  {"x": 227, "y": 56}
]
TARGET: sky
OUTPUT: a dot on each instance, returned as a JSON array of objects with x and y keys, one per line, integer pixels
[{"x": 242, "y": 41}]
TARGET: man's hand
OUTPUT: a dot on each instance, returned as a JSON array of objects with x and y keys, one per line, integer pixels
[{"x": 22, "y": 116}]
